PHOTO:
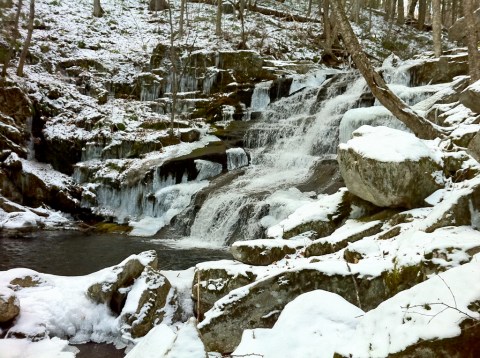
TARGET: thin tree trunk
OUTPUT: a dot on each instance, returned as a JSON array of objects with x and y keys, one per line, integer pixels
[
  {"x": 420, "y": 126},
  {"x": 327, "y": 27},
  {"x": 173, "y": 70},
  {"x": 14, "y": 39},
  {"x": 411, "y": 9},
  {"x": 309, "y": 9},
  {"x": 218, "y": 28},
  {"x": 401, "y": 13},
  {"x": 23, "y": 55},
  {"x": 97, "y": 9},
  {"x": 472, "y": 40},
  {"x": 181, "y": 22},
  {"x": 437, "y": 27}
]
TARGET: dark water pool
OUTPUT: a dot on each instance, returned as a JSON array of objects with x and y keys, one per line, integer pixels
[{"x": 71, "y": 253}]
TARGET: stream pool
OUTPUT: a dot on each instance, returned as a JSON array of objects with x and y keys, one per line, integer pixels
[{"x": 73, "y": 253}]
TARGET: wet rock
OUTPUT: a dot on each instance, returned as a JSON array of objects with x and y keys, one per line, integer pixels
[
  {"x": 9, "y": 305},
  {"x": 189, "y": 136},
  {"x": 266, "y": 251},
  {"x": 259, "y": 304},
  {"x": 145, "y": 302},
  {"x": 470, "y": 97},
  {"x": 396, "y": 178},
  {"x": 120, "y": 276},
  {"x": 213, "y": 280}
]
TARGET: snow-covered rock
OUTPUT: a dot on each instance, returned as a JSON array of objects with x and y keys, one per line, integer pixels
[
  {"x": 390, "y": 168},
  {"x": 9, "y": 305},
  {"x": 266, "y": 251},
  {"x": 470, "y": 97},
  {"x": 145, "y": 302}
]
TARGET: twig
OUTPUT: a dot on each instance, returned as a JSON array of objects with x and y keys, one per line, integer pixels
[{"x": 355, "y": 285}]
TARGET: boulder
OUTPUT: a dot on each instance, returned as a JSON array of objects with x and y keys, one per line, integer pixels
[
  {"x": 264, "y": 252},
  {"x": 189, "y": 136},
  {"x": 474, "y": 147},
  {"x": 390, "y": 168},
  {"x": 144, "y": 306},
  {"x": 16, "y": 104},
  {"x": 118, "y": 277},
  {"x": 259, "y": 304},
  {"x": 9, "y": 305},
  {"x": 457, "y": 31},
  {"x": 441, "y": 70},
  {"x": 470, "y": 97},
  {"x": 215, "y": 279},
  {"x": 341, "y": 238}
]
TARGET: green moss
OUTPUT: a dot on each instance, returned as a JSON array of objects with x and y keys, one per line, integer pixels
[
  {"x": 404, "y": 277},
  {"x": 112, "y": 228}
]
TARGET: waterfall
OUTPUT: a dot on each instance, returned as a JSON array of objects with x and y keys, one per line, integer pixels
[
  {"x": 260, "y": 96},
  {"x": 236, "y": 158},
  {"x": 292, "y": 135}
]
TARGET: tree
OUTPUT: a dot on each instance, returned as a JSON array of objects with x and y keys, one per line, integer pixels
[
  {"x": 400, "y": 13},
  {"x": 472, "y": 40},
  {"x": 218, "y": 23},
  {"x": 422, "y": 14},
  {"x": 437, "y": 28},
  {"x": 420, "y": 126},
  {"x": 183, "y": 5},
  {"x": 97, "y": 9},
  {"x": 15, "y": 34},
  {"x": 23, "y": 55}
]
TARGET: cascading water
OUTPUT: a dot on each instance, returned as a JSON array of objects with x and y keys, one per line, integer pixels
[{"x": 293, "y": 134}]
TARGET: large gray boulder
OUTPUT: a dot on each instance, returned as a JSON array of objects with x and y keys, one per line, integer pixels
[
  {"x": 470, "y": 97},
  {"x": 259, "y": 304},
  {"x": 145, "y": 304},
  {"x": 9, "y": 305},
  {"x": 110, "y": 290},
  {"x": 457, "y": 32},
  {"x": 390, "y": 168}
]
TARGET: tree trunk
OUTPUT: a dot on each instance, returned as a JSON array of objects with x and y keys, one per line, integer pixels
[
  {"x": 218, "y": 27},
  {"x": 23, "y": 55},
  {"x": 173, "y": 71},
  {"x": 422, "y": 13},
  {"x": 472, "y": 40},
  {"x": 13, "y": 42},
  {"x": 309, "y": 9},
  {"x": 97, "y": 9},
  {"x": 411, "y": 9},
  {"x": 181, "y": 22},
  {"x": 420, "y": 126},
  {"x": 401, "y": 13},
  {"x": 437, "y": 27},
  {"x": 355, "y": 16}
]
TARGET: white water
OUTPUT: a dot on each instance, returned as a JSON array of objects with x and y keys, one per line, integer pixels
[
  {"x": 284, "y": 146},
  {"x": 261, "y": 96},
  {"x": 236, "y": 158}
]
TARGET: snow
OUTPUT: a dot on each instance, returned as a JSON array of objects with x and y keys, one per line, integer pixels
[
  {"x": 389, "y": 145},
  {"x": 309, "y": 326},
  {"x": 47, "y": 348},
  {"x": 318, "y": 210}
]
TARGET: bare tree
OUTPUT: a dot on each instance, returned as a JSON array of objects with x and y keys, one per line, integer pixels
[
  {"x": 218, "y": 23},
  {"x": 183, "y": 5},
  {"x": 97, "y": 9},
  {"x": 420, "y": 126},
  {"x": 26, "y": 45},
  {"x": 422, "y": 14},
  {"x": 173, "y": 69},
  {"x": 472, "y": 40},
  {"x": 15, "y": 34},
  {"x": 437, "y": 27},
  {"x": 400, "y": 13}
]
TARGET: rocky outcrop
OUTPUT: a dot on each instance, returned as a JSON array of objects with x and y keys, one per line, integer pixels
[
  {"x": 111, "y": 290},
  {"x": 213, "y": 280},
  {"x": 259, "y": 304},
  {"x": 441, "y": 70},
  {"x": 9, "y": 305},
  {"x": 264, "y": 252},
  {"x": 389, "y": 168},
  {"x": 470, "y": 97},
  {"x": 338, "y": 241},
  {"x": 474, "y": 147},
  {"x": 457, "y": 31},
  {"x": 145, "y": 303}
]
